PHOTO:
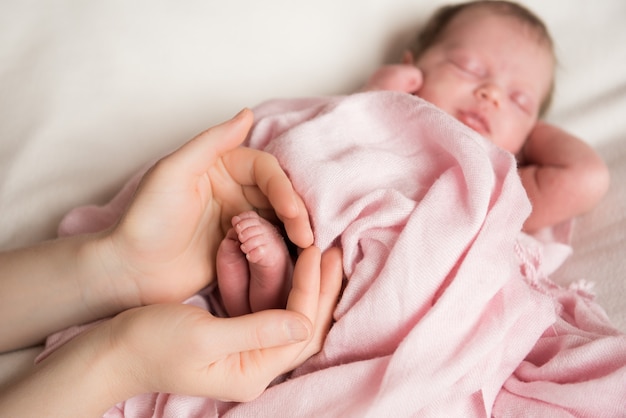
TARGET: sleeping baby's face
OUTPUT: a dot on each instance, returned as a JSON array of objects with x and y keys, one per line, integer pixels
[{"x": 491, "y": 72}]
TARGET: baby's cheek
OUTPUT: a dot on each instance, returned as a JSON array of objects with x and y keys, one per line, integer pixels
[
  {"x": 432, "y": 95},
  {"x": 510, "y": 141}
]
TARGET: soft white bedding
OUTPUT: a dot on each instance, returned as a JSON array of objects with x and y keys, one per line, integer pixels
[{"x": 89, "y": 91}]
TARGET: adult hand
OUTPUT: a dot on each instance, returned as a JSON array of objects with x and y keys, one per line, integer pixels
[
  {"x": 164, "y": 247},
  {"x": 183, "y": 349}
]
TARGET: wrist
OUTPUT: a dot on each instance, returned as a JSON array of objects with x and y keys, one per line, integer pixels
[
  {"x": 106, "y": 289},
  {"x": 87, "y": 367},
  {"x": 112, "y": 366}
]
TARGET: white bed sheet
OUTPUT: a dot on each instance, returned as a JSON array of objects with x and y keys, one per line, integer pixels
[{"x": 89, "y": 91}]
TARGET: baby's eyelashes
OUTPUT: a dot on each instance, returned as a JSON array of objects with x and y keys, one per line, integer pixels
[
  {"x": 522, "y": 101},
  {"x": 469, "y": 66}
]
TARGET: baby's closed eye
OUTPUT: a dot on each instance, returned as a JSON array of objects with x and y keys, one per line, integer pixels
[
  {"x": 469, "y": 66},
  {"x": 522, "y": 101}
]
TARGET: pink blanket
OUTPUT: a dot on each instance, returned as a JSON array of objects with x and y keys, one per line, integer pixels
[{"x": 448, "y": 310}]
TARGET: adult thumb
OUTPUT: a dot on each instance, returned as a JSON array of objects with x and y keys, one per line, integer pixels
[{"x": 260, "y": 330}]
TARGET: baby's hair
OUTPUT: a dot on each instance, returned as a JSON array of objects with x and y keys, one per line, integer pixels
[{"x": 441, "y": 18}]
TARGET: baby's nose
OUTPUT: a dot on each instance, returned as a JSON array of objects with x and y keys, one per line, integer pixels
[{"x": 489, "y": 92}]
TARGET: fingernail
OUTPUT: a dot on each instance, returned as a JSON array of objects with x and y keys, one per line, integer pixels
[
  {"x": 240, "y": 114},
  {"x": 296, "y": 330}
]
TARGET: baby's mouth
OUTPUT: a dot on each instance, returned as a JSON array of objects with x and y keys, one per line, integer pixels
[{"x": 475, "y": 121}]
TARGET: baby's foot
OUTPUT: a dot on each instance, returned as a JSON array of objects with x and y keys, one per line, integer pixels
[
  {"x": 253, "y": 266},
  {"x": 233, "y": 276},
  {"x": 269, "y": 263}
]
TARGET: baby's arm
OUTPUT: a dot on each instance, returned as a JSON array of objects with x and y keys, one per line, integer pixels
[
  {"x": 406, "y": 78},
  {"x": 563, "y": 176}
]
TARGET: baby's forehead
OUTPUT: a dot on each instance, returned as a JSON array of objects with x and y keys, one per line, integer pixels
[
  {"x": 473, "y": 16},
  {"x": 502, "y": 31}
]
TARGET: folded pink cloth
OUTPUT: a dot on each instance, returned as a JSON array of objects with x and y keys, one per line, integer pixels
[{"x": 448, "y": 310}]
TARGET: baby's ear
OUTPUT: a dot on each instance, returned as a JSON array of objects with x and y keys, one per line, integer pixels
[{"x": 407, "y": 57}]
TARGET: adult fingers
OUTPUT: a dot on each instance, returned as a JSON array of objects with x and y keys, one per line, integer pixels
[
  {"x": 200, "y": 153},
  {"x": 316, "y": 284},
  {"x": 264, "y": 172},
  {"x": 180, "y": 171},
  {"x": 330, "y": 287},
  {"x": 260, "y": 330},
  {"x": 331, "y": 272},
  {"x": 305, "y": 290},
  {"x": 331, "y": 281}
]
